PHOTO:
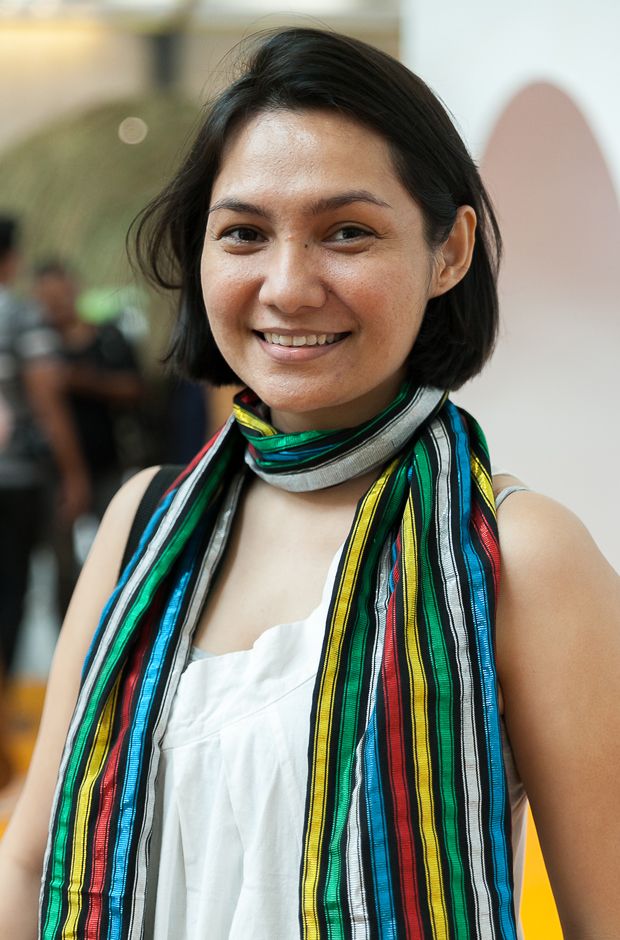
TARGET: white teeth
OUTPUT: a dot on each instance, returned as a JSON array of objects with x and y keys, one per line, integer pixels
[{"x": 311, "y": 339}]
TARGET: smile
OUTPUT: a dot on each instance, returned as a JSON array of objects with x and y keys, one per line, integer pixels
[{"x": 305, "y": 339}]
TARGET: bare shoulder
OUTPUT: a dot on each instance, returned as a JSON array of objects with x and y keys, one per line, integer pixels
[
  {"x": 546, "y": 548},
  {"x": 117, "y": 521},
  {"x": 558, "y": 658},
  {"x": 557, "y": 590},
  {"x": 102, "y": 567},
  {"x": 100, "y": 572},
  {"x": 123, "y": 506},
  {"x": 133, "y": 489}
]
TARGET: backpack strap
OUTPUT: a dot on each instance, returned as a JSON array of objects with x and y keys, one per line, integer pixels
[{"x": 161, "y": 481}]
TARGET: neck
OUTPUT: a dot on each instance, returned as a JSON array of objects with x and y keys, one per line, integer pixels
[{"x": 339, "y": 416}]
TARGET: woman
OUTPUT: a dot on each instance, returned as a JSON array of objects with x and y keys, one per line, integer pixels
[{"x": 349, "y": 772}]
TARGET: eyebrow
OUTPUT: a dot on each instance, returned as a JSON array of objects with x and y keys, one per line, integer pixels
[{"x": 324, "y": 204}]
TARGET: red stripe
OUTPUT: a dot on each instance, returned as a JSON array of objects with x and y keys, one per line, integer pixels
[
  {"x": 488, "y": 538},
  {"x": 194, "y": 461},
  {"x": 109, "y": 785},
  {"x": 391, "y": 681}
]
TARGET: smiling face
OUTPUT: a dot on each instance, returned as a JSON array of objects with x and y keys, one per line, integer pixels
[{"x": 315, "y": 268}]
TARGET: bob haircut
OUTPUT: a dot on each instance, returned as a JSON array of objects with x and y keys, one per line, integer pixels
[{"x": 298, "y": 69}]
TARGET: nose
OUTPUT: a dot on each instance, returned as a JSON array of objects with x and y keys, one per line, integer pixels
[{"x": 292, "y": 279}]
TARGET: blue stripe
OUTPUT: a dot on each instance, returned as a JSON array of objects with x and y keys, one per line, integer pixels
[
  {"x": 486, "y": 662},
  {"x": 291, "y": 456},
  {"x": 375, "y": 814},
  {"x": 125, "y": 574},
  {"x": 138, "y": 742},
  {"x": 394, "y": 555}
]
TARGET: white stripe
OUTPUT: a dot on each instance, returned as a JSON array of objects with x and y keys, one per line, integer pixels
[
  {"x": 358, "y": 902},
  {"x": 127, "y": 594},
  {"x": 211, "y": 558},
  {"x": 366, "y": 455},
  {"x": 141, "y": 571},
  {"x": 454, "y": 606}
]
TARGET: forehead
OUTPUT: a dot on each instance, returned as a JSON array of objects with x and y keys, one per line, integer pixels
[{"x": 294, "y": 151}]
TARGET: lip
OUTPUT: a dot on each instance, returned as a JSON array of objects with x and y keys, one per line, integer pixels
[{"x": 296, "y": 353}]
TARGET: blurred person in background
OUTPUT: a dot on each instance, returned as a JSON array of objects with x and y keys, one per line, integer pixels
[
  {"x": 101, "y": 380},
  {"x": 6, "y": 422},
  {"x": 37, "y": 429}
]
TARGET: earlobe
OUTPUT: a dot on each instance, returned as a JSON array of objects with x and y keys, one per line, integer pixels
[{"x": 454, "y": 256}]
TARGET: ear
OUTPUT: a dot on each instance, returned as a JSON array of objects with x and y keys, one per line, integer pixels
[{"x": 453, "y": 257}]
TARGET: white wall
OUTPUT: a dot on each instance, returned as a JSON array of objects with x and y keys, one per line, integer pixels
[
  {"x": 533, "y": 92},
  {"x": 478, "y": 54}
]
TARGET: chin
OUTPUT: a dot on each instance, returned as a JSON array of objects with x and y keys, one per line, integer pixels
[
  {"x": 299, "y": 409},
  {"x": 298, "y": 400}
]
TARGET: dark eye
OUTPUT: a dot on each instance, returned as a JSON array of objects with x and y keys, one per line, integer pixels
[
  {"x": 349, "y": 233},
  {"x": 242, "y": 233}
]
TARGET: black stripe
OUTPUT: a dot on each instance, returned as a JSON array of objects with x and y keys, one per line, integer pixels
[{"x": 163, "y": 479}]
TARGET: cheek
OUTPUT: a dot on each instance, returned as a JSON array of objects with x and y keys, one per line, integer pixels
[
  {"x": 225, "y": 293},
  {"x": 381, "y": 284},
  {"x": 396, "y": 333}
]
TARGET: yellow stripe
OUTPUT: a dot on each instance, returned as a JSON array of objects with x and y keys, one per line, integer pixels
[
  {"x": 96, "y": 759},
  {"x": 483, "y": 481},
  {"x": 423, "y": 783},
  {"x": 251, "y": 421},
  {"x": 319, "y": 782}
]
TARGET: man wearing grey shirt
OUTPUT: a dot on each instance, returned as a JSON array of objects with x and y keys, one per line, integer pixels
[{"x": 36, "y": 426}]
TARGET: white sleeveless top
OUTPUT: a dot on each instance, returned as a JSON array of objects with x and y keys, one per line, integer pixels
[{"x": 227, "y": 845}]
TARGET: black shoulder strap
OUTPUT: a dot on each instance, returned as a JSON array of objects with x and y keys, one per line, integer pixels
[{"x": 164, "y": 477}]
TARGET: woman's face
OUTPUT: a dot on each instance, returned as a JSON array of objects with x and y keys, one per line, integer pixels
[{"x": 315, "y": 269}]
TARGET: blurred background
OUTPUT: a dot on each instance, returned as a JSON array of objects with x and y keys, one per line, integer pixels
[{"x": 97, "y": 100}]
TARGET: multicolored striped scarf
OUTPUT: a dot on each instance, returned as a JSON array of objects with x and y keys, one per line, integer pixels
[{"x": 407, "y": 821}]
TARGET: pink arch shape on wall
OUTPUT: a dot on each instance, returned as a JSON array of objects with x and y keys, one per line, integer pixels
[
  {"x": 555, "y": 196},
  {"x": 556, "y": 366}
]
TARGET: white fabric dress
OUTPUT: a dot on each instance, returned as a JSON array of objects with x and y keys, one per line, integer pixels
[{"x": 232, "y": 785}]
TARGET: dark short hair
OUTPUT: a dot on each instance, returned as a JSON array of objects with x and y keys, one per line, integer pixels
[
  {"x": 297, "y": 69},
  {"x": 9, "y": 234}
]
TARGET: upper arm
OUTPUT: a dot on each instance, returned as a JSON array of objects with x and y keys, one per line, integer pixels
[
  {"x": 42, "y": 376},
  {"x": 558, "y": 654},
  {"x": 37, "y": 346},
  {"x": 26, "y": 835}
]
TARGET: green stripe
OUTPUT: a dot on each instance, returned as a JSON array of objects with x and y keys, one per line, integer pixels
[
  {"x": 346, "y": 742},
  {"x": 319, "y": 442},
  {"x": 159, "y": 570},
  {"x": 378, "y": 527},
  {"x": 443, "y": 680}
]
